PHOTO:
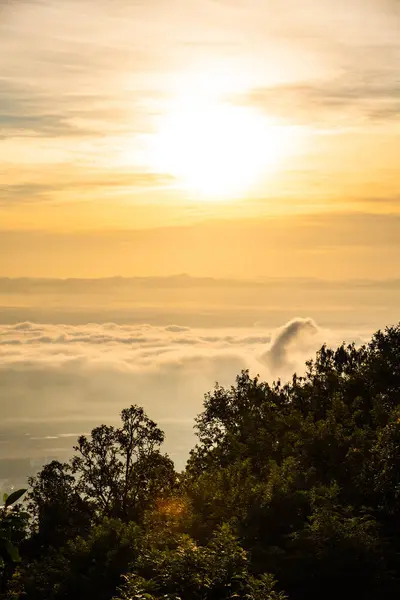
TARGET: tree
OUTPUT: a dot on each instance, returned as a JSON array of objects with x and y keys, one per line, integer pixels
[
  {"x": 121, "y": 471},
  {"x": 338, "y": 546},
  {"x": 58, "y": 511},
  {"x": 85, "y": 567},
  {"x": 241, "y": 422},
  {"x": 264, "y": 450},
  {"x": 13, "y": 531}
]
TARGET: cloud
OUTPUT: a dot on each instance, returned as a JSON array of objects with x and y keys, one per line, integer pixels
[
  {"x": 131, "y": 182},
  {"x": 27, "y": 112},
  {"x": 176, "y": 328},
  {"x": 346, "y": 101},
  {"x": 59, "y": 379},
  {"x": 21, "y": 193},
  {"x": 292, "y": 340},
  {"x": 55, "y": 379}
]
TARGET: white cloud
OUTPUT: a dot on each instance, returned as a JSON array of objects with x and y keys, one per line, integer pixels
[
  {"x": 295, "y": 339},
  {"x": 58, "y": 379}
]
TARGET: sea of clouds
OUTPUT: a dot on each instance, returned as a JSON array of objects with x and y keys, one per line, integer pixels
[{"x": 58, "y": 381}]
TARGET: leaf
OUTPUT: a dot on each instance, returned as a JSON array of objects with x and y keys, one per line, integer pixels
[
  {"x": 5, "y": 496},
  {"x": 7, "y": 547},
  {"x": 14, "y": 497},
  {"x": 13, "y": 552}
]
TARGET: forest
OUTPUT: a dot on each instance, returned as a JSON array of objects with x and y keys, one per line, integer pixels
[{"x": 290, "y": 492}]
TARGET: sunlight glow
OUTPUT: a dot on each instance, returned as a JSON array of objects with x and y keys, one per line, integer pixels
[{"x": 215, "y": 150}]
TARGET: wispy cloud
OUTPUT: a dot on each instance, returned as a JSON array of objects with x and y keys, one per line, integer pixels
[
  {"x": 97, "y": 185},
  {"x": 26, "y": 111},
  {"x": 342, "y": 102}
]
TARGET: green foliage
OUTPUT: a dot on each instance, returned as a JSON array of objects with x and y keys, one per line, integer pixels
[{"x": 187, "y": 571}]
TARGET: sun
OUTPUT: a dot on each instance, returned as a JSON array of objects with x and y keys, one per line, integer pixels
[{"x": 216, "y": 150}]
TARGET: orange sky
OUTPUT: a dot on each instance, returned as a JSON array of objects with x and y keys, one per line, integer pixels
[{"x": 261, "y": 137}]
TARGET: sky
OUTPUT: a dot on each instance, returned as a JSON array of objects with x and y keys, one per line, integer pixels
[
  {"x": 172, "y": 132},
  {"x": 187, "y": 188}
]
